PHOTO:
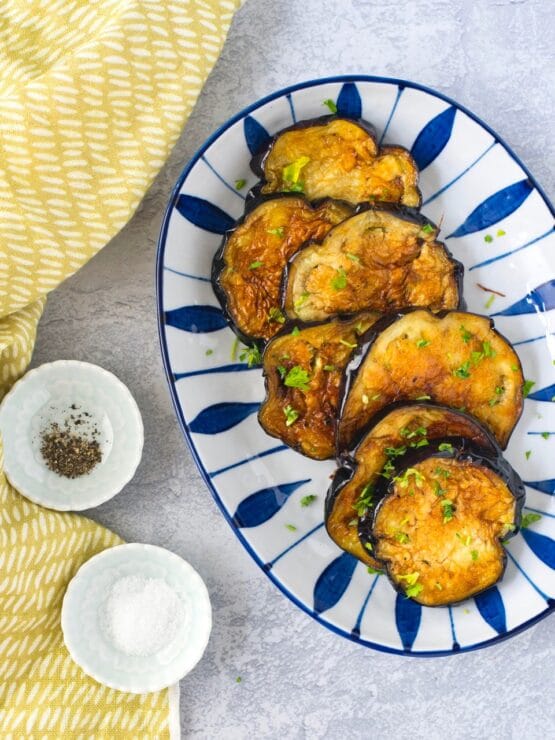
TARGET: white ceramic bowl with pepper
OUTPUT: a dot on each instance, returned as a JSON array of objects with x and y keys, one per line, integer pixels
[{"x": 72, "y": 434}]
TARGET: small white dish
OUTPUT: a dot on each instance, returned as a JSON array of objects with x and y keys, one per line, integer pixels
[
  {"x": 46, "y": 395},
  {"x": 91, "y": 648}
]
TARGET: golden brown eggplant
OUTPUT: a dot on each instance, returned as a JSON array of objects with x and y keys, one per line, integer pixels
[
  {"x": 393, "y": 433},
  {"x": 439, "y": 520},
  {"x": 303, "y": 369},
  {"x": 338, "y": 158},
  {"x": 456, "y": 359},
  {"x": 247, "y": 270},
  {"x": 382, "y": 259}
]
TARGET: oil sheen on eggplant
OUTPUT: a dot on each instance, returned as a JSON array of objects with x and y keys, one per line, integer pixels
[
  {"x": 303, "y": 368},
  {"x": 247, "y": 270},
  {"x": 338, "y": 158},
  {"x": 383, "y": 259},
  {"x": 439, "y": 520},
  {"x": 396, "y": 430},
  {"x": 456, "y": 359}
]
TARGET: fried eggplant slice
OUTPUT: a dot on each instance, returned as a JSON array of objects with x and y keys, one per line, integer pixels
[
  {"x": 247, "y": 270},
  {"x": 382, "y": 259},
  {"x": 338, "y": 158},
  {"x": 303, "y": 369},
  {"x": 439, "y": 521},
  {"x": 398, "y": 429},
  {"x": 456, "y": 359}
]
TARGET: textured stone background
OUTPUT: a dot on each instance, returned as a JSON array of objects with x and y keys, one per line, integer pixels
[{"x": 298, "y": 679}]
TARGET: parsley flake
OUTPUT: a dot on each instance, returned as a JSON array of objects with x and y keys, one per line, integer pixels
[
  {"x": 474, "y": 554},
  {"x": 410, "y": 578},
  {"x": 463, "y": 370},
  {"x": 422, "y": 398},
  {"x": 500, "y": 232},
  {"x": 291, "y": 415},
  {"x": 489, "y": 301},
  {"x": 330, "y": 104},
  {"x": 374, "y": 571},
  {"x": 234, "y": 348},
  {"x": 295, "y": 331},
  {"x": 445, "y": 447},
  {"x": 404, "y": 479},
  {"x": 466, "y": 335},
  {"x": 238, "y": 679},
  {"x": 297, "y": 377},
  {"x": 292, "y": 172},
  {"x": 545, "y": 435},
  {"x": 276, "y": 315},
  {"x": 339, "y": 282},
  {"x": 329, "y": 368},
  {"x": 528, "y": 519},
  {"x": 291, "y": 527},
  {"x": 447, "y": 510},
  {"x": 488, "y": 238},
  {"x": 348, "y": 344},
  {"x": 527, "y": 387},
  {"x": 251, "y": 355},
  {"x": 300, "y": 301},
  {"x": 239, "y": 184},
  {"x": 255, "y": 265},
  {"x": 413, "y": 591},
  {"x": 307, "y": 500},
  {"x": 422, "y": 343},
  {"x": 209, "y": 352},
  {"x": 402, "y": 537},
  {"x": 527, "y": 454},
  {"x": 352, "y": 257},
  {"x": 428, "y": 229},
  {"x": 364, "y": 501},
  {"x": 278, "y": 231}
]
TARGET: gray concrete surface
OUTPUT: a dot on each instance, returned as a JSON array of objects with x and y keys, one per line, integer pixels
[{"x": 298, "y": 679}]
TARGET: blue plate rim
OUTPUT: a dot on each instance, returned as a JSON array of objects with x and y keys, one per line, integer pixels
[{"x": 160, "y": 253}]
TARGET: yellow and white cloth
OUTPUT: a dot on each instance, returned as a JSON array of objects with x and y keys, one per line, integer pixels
[{"x": 93, "y": 95}]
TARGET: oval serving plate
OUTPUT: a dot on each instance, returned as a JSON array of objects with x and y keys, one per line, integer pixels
[{"x": 497, "y": 221}]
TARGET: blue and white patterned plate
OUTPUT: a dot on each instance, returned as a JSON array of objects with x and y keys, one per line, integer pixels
[{"x": 498, "y": 222}]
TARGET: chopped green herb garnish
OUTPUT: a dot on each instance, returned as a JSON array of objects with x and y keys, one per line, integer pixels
[
  {"x": 489, "y": 301},
  {"x": 234, "y": 348},
  {"x": 282, "y": 371},
  {"x": 255, "y": 265},
  {"x": 353, "y": 523},
  {"x": 408, "y": 434},
  {"x": 445, "y": 447},
  {"x": 487, "y": 350},
  {"x": 297, "y": 377},
  {"x": 295, "y": 331},
  {"x": 374, "y": 571},
  {"x": 402, "y": 538},
  {"x": 476, "y": 357},
  {"x": 499, "y": 390},
  {"x": 368, "y": 546},
  {"x": 442, "y": 472},
  {"x": 307, "y": 500},
  {"x": 291, "y": 527},
  {"x": 292, "y": 172},
  {"x": 331, "y": 105},
  {"x": 500, "y": 232},
  {"x": 527, "y": 454},
  {"x": 474, "y": 554},
  {"x": 276, "y": 315},
  {"x": 291, "y": 415},
  {"x": 387, "y": 470},
  {"x": 348, "y": 344},
  {"x": 251, "y": 355},
  {"x": 209, "y": 352},
  {"x": 422, "y": 398},
  {"x": 298, "y": 302},
  {"x": 239, "y": 184},
  {"x": 410, "y": 578},
  {"x": 488, "y": 238},
  {"x": 438, "y": 490},
  {"x": 352, "y": 257},
  {"x": 528, "y": 519},
  {"x": 329, "y": 368},
  {"x": 466, "y": 335},
  {"x": 545, "y": 435},
  {"x": 527, "y": 387},
  {"x": 393, "y": 452},
  {"x": 279, "y": 231},
  {"x": 413, "y": 591},
  {"x": 238, "y": 679},
  {"x": 428, "y": 229},
  {"x": 364, "y": 501},
  {"x": 422, "y": 343},
  {"x": 404, "y": 479},
  {"x": 339, "y": 282},
  {"x": 447, "y": 510},
  {"x": 463, "y": 370}
]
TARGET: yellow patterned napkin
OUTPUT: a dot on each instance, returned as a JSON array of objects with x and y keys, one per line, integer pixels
[{"x": 93, "y": 95}]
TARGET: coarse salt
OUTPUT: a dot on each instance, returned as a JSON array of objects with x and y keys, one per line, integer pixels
[{"x": 141, "y": 616}]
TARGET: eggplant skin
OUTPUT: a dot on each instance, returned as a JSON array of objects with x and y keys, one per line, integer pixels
[
  {"x": 383, "y": 259},
  {"x": 440, "y": 519},
  {"x": 396, "y": 428},
  {"x": 302, "y": 368},
  {"x": 453, "y": 358},
  {"x": 343, "y": 161},
  {"x": 247, "y": 270}
]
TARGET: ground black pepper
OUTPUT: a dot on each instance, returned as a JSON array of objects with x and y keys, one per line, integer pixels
[{"x": 67, "y": 452}]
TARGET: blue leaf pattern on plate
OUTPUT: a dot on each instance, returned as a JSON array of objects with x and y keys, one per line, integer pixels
[
  {"x": 221, "y": 416},
  {"x": 262, "y": 505},
  {"x": 545, "y": 486},
  {"x": 333, "y": 581},
  {"x": 543, "y": 394},
  {"x": 256, "y": 136},
  {"x": 204, "y": 214},
  {"x": 495, "y": 208},
  {"x": 196, "y": 319},
  {"x": 543, "y": 547},
  {"x": 407, "y": 618},
  {"x": 491, "y": 607},
  {"x": 349, "y": 103},
  {"x": 432, "y": 139},
  {"x": 540, "y": 299}
]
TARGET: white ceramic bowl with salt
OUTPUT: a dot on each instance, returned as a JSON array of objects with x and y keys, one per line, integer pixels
[{"x": 136, "y": 618}]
